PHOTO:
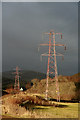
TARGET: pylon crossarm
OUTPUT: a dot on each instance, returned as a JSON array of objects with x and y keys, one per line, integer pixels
[
  {"x": 46, "y": 33},
  {"x": 52, "y": 45},
  {"x": 58, "y": 54},
  {"x": 59, "y": 45},
  {"x": 52, "y": 62},
  {"x": 58, "y": 33},
  {"x": 45, "y": 54},
  {"x": 44, "y": 44}
]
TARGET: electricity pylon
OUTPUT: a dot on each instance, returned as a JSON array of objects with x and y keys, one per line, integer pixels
[
  {"x": 52, "y": 63},
  {"x": 17, "y": 84}
]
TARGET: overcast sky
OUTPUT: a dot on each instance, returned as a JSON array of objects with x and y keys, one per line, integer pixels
[{"x": 22, "y": 28}]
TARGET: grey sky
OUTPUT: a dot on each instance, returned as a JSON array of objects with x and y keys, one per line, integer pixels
[
  {"x": 22, "y": 28},
  {"x": 0, "y": 36},
  {"x": 40, "y": 0}
]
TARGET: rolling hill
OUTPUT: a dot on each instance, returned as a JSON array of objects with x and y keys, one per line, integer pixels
[
  {"x": 35, "y": 82},
  {"x": 8, "y": 77}
]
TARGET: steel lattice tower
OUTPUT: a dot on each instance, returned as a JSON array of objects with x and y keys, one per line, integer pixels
[
  {"x": 52, "y": 63},
  {"x": 17, "y": 84}
]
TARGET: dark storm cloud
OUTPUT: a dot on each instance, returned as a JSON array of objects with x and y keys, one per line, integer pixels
[
  {"x": 79, "y": 36},
  {"x": 22, "y": 27},
  {"x": 0, "y": 37}
]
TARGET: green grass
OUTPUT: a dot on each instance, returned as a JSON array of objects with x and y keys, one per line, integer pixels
[{"x": 71, "y": 111}]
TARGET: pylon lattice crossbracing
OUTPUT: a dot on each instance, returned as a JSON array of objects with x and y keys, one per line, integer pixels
[
  {"x": 17, "y": 84},
  {"x": 52, "y": 63}
]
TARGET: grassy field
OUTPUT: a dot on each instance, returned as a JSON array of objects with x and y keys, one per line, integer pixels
[{"x": 69, "y": 111}]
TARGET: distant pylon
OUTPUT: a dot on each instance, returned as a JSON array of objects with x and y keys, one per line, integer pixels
[
  {"x": 17, "y": 84},
  {"x": 52, "y": 63}
]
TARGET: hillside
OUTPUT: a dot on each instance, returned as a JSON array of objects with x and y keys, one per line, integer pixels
[
  {"x": 8, "y": 77},
  {"x": 74, "y": 78},
  {"x": 69, "y": 87},
  {"x": 35, "y": 82},
  {"x": 31, "y": 103}
]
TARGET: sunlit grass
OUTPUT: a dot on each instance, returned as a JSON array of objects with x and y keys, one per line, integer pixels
[{"x": 71, "y": 111}]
